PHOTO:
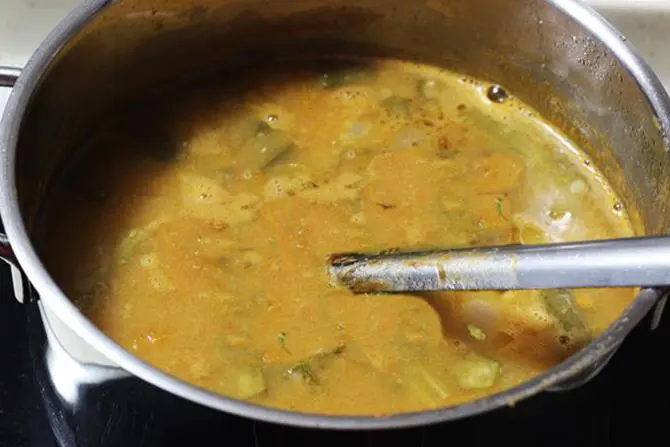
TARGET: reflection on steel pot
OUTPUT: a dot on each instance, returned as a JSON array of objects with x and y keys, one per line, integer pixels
[{"x": 556, "y": 55}]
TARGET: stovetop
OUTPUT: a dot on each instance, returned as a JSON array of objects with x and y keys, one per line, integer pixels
[
  {"x": 22, "y": 421},
  {"x": 624, "y": 404}
]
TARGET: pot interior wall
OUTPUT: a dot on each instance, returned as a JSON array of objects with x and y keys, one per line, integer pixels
[{"x": 535, "y": 50}]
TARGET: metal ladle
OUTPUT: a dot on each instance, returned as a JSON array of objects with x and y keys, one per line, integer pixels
[{"x": 629, "y": 262}]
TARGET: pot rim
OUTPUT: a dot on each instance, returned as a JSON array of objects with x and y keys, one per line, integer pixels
[{"x": 56, "y": 300}]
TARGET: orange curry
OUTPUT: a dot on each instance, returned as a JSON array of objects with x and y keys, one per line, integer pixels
[{"x": 198, "y": 225}]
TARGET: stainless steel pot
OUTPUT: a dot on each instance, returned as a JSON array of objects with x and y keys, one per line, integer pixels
[{"x": 557, "y": 55}]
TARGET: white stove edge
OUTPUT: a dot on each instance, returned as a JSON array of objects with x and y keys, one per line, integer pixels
[{"x": 24, "y": 23}]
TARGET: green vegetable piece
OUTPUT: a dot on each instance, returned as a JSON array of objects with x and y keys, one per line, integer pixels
[
  {"x": 262, "y": 128},
  {"x": 505, "y": 136},
  {"x": 252, "y": 126},
  {"x": 398, "y": 106},
  {"x": 131, "y": 244},
  {"x": 250, "y": 383},
  {"x": 264, "y": 148},
  {"x": 476, "y": 333},
  {"x": 244, "y": 379},
  {"x": 476, "y": 372},
  {"x": 281, "y": 338},
  {"x": 560, "y": 304},
  {"x": 430, "y": 88},
  {"x": 428, "y": 388},
  {"x": 307, "y": 370},
  {"x": 342, "y": 77},
  {"x": 557, "y": 214},
  {"x": 500, "y": 206}
]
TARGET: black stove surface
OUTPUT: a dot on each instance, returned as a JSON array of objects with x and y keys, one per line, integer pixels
[
  {"x": 22, "y": 421},
  {"x": 626, "y": 403}
]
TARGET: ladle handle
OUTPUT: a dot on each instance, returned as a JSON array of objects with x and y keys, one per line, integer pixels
[{"x": 631, "y": 262}]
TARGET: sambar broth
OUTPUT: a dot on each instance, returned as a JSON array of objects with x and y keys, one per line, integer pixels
[{"x": 195, "y": 233}]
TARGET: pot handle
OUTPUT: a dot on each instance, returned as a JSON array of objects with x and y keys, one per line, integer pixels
[
  {"x": 6, "y": 252},
  {"x": 9, "y": 76}
]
